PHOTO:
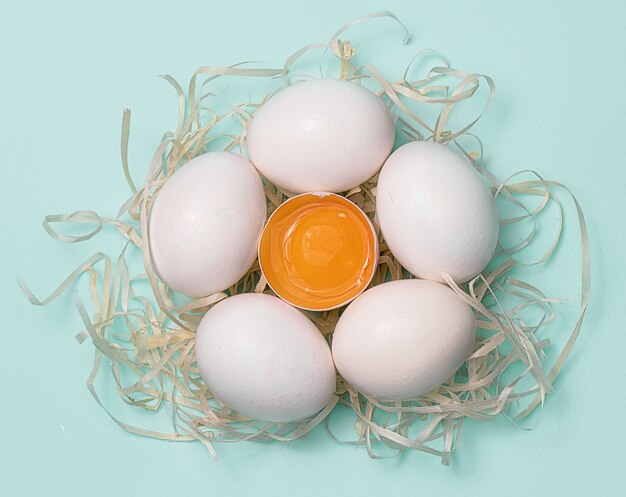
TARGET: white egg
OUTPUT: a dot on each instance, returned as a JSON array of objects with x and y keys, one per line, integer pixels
[
  {"x": 320, "y": 135},
  {"x": 205, "y": 224},
  {"x": 264, "y": 358},
  {"x": 402, "y": 339},
  {"x": 436, "y": 213}
]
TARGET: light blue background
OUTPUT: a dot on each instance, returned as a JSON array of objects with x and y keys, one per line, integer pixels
[{"x": 68, "y": 69}]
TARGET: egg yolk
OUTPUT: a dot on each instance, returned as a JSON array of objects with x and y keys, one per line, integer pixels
[{"x": 318, "y": 251}]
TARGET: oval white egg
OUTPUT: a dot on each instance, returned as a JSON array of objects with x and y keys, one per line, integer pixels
[
  {"x": 205, "y": 224},
  {"x": 436, "y": 213},
  {"x": 402, "y": 339},
  {"x": 320, "y": 135},
  {"x": 264, "y": 358}
]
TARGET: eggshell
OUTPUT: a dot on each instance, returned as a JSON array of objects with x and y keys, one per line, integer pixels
[
  {"x": 402, "y": 339},
  {"x": 318, "y": 251},
  {"x": 320, "y": 135},
  {"x": 205, "y": 224},
  {"x": 264, "y": 358},
  {"x": 436, "y": 213}
]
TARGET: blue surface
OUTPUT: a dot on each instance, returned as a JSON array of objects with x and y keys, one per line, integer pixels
[{"x": 69, "y": 68}]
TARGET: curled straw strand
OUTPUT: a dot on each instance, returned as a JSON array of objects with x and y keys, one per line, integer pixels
[{"x": 152, "y": 361}]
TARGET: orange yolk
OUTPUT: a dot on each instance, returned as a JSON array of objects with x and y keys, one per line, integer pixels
[{"x": 318, "y": 251}]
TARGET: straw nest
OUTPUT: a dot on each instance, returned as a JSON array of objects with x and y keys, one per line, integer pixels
[{"x": 146, "y": 335}]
